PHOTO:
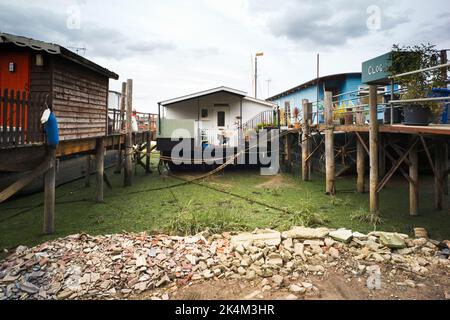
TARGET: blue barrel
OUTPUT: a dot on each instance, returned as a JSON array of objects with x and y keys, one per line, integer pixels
[
  {"x": 51, "y": 131},
  {"x": 442, "y": 92}
]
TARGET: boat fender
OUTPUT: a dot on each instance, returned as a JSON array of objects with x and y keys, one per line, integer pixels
[{"x": 51, "y": 131}]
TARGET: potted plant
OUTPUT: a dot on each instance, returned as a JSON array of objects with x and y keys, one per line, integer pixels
[
  {"x": 417, "y": 85},
  {"x": 295, "y": 113}
]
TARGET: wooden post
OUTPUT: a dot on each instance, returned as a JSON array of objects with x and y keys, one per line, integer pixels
[
  {"x": 148, "y": 147},
  {"x": 446, "y": 167},
  {"x": 360, "y": 154},
  {"x": 49, "y": 194},
  {"x": 414, "y": 183},
  {"x": 87, "y": 177},
  {"x": 100, "y": 162},
  {"x": 439, "y": 166},
  {"x": 121, "y": 127},
  {"x": 382, "y": 157},
  {"x": 128, "y": 136},
  {"x": 329, "y": 143},
  {"x": 373, "y": 149},
  {"x": 306, "y": 106}
]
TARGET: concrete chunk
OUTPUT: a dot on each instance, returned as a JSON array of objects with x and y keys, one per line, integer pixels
[
  {"x": 306, "y": 233},
  {"x": 272, "y": 238}
]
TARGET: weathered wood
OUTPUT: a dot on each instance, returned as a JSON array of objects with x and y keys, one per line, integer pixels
[
  {"x": 87, "y": 175},
  {"x": 329, "y": 144},
  {"x": 122, "y": 117},
  {"x": 100, "y": 163},
  {"x": 148, "y": 146},
  {"x": 414, "y": 187},
  {"x": 373, "y": 149},
  {"x": 128, "y": 172},
  {"x": 381, "y": 156},
  {"x": 49, "y": 194},
  {"x": 439, "y": 166},
  {"x": 360, "y": 154},
  {"x": 306, "y": 165},
  {"x": 27, "y": 179}
]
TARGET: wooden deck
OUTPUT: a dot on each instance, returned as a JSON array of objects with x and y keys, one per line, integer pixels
[{"x": 396, "y": 128}]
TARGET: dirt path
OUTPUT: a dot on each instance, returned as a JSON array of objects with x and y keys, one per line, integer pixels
[{"x": 334, "y": 285}]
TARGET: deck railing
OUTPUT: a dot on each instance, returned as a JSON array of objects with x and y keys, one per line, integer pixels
[
  {"x": 20, "y": 118},
  {"x": 116, "y": 121},
  {"x": 264, "y": 119}
]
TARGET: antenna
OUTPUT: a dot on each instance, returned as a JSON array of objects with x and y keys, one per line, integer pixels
[
  {"x": 78, "y": 49},
  {"x": 268, "y": 85}
]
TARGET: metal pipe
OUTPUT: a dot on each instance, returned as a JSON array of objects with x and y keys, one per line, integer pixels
[{"x": 420, "y": 70}]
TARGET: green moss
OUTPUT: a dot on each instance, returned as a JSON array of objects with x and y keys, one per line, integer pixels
[{"x": 191, "y": 208}]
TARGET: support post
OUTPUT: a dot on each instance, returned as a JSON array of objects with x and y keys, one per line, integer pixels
[
  {"x": 148, "y": 147},
  {"x": 329, "y": 144},
  {"x": 121, "y": 127},
  {"x": 446, "y": 166},
  {"x": 306, "y": 168},
  {"x": 360, "y": 154},
  {"x": 100, "y": 162},
  {"x": 87, "y": 178},
  {"x": 49, "y": 194},
  {"x": 373, "y": 149},
  {"x": 382, "y": 156},
  {"x": 439, "y": 166},
  {"x": 128, "y": 135},
  {"x": 414, "y": 181}
]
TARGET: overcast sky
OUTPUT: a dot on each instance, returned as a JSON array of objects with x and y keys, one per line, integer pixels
[{"x": 175, "y": 47}]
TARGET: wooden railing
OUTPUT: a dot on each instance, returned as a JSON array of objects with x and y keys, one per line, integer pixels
[
  {"x": 20, "y": 118},
  {"x": 116, "y": 121}
]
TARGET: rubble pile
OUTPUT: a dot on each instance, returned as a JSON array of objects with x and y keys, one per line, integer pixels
[{"x": 123, "y": 265}]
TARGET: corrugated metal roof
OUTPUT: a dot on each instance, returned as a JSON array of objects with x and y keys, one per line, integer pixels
[
  {"x": 310, "y": 83},
  {"x": 55, "y": 49}
]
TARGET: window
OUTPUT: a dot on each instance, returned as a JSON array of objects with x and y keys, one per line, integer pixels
[
  {"x": 204, "y": 113},
  {"x": 221, "y": 118}
]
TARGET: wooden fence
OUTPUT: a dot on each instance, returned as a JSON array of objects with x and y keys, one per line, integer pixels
[{"x": 20, "y": 118}]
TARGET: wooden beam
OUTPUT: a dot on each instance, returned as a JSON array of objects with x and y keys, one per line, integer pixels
[
  {"x": 329, "y": 145},
  {"x": 87, "y": 174},
  {"x": 49, "y": 194},
  {"x": 396, "y": 166},
  {"x": 44, "y": 166},
  {"x": 121, "y": 122},
  {"x": 306, "y": 165},
  {"x": 430, "y": 160},
  {"x": 360, "y": 155},
  {"x": 100, "y": 163},
  {"x": 414, "y": 175},
  {"x": 373, "y": 150},
  {"x": 128, "y": 176},
  {"x": 439, "y": 175},
  {"x": 382, "y": 156}
]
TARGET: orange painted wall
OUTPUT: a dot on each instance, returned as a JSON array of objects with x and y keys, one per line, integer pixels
[{"x": 19, "y": 80}]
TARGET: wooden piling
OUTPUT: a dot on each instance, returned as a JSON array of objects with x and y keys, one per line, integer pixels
[
  {"x": 382, "y": 156},
  {"x": 329, "y": 144},
  {"x": 306, "y": 168},
  {"x": 100, "y": 162},
  {"x": 439, "y": 167},
  {"x": 414, "y": 181},
  {"x": 121, "y": 127},
  {"x": 128, "y": 136},
  {"x": 360, "y": 154},
  {"x": 87, "y": 174},
  {"x": 49, "y": 194},
  {"x": 373, "y": 149}
]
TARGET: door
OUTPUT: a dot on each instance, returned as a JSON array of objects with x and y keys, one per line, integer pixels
[{"x": 221, "y": 117}]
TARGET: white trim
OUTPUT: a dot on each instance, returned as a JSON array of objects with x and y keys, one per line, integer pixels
[
  {"x": 267, "y": 103},
  {"x": 203, "y": 93}
]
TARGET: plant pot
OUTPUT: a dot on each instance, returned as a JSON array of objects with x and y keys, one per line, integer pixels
[
  {"x": 398, "y": 115},
  {"x": 297, "y": 125},
  {"x": 416, "y": 115},
  {"x": 348, "y": 117}
]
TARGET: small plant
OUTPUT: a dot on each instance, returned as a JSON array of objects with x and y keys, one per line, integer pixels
[
  {"x": 363, "y": 215},
  {"x": 418, "y": 85},
  {"x": 307, "y": 215}
]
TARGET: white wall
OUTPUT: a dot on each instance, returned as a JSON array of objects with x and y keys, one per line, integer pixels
[{"x": 189, "y": 109}]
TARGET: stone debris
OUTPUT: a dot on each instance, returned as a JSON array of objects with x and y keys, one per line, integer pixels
[{"x": 121, "y": 266}]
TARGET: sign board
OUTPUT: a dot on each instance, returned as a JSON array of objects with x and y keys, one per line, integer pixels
[{"x": 374, "y": 71}]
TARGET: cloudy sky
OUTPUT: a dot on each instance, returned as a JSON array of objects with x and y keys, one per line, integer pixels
[{"x": 175, "y": 47}]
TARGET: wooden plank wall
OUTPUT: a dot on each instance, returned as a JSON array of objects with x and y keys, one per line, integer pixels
[{"x": 80, "y": 100}]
